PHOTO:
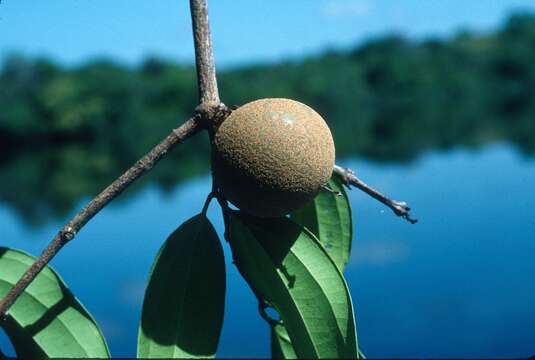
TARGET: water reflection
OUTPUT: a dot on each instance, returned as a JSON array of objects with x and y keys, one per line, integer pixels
[
  {"x": 66, "y": 132},
  {"x": 457, "y": 284}
]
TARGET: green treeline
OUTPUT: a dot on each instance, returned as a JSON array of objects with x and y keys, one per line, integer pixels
[{"x": 67, "y": 132}]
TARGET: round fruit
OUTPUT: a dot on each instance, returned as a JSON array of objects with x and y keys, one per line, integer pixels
[{"x": 272, "y": 156}]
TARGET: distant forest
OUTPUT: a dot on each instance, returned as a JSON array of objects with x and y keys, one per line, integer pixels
[{"x": 67, "y": 132}]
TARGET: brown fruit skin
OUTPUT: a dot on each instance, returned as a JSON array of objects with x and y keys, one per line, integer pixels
[{"x": 272, "y": 156}]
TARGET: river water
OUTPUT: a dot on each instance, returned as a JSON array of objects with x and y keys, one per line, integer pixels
[{"x": 460, "y": 283}]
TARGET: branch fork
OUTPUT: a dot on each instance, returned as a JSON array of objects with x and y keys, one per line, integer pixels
[
  {"x": 212, "y": 114},
  {"x": 207, "y": 116}
]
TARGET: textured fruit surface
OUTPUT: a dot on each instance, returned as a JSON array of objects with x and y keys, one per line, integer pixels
[{"x": 272, "y": 156}]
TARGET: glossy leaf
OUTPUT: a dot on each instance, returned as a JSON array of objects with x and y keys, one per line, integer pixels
[
  {"x": 281, "y": 345},
  {"x": 24, "y": 345},
  {"x": 328, "y": 216},
  {"x": 287, "y": 266},
  {"x": 47, "y": 320},
  {"x": 185, "y": 297}
]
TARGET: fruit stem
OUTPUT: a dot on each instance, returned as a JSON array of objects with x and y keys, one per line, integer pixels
[{"x": 207, "y": 202}]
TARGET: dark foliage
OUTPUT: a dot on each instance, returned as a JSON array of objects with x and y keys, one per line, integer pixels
[{"x": 66, "y": 133}]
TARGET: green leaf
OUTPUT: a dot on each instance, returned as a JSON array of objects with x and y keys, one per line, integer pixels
[
  {"x": 185, "y": 297},
  {"x": 24, "y": 345},
  {"x": 328, "y": 216},
  {"x": 286, "y": 266},
  {"x": 47, "y": 320},
  {"x": 281, "y": 345}
]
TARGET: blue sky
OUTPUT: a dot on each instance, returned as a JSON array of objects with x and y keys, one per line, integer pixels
[{"x": 245, "y": 31}]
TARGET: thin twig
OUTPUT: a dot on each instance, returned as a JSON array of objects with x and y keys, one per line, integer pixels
[
  {"x": 348, "y": 177},
  {"x": 210, "y": 110},
  {"x": 69, "y": 231},
  {"x": 204, "y": 55},
  {"x": 207, "y": 202}
]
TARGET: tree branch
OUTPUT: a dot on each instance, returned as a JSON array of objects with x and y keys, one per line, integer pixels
[
  {"x": 204, "y": 55},
  {"x": 211, "y": 110},
  {"x": 400, "y": 208},
  {"x": 69, "y": 230}
]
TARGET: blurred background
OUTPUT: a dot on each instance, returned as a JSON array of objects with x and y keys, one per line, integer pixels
[{"x": 430, "y": 102}]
